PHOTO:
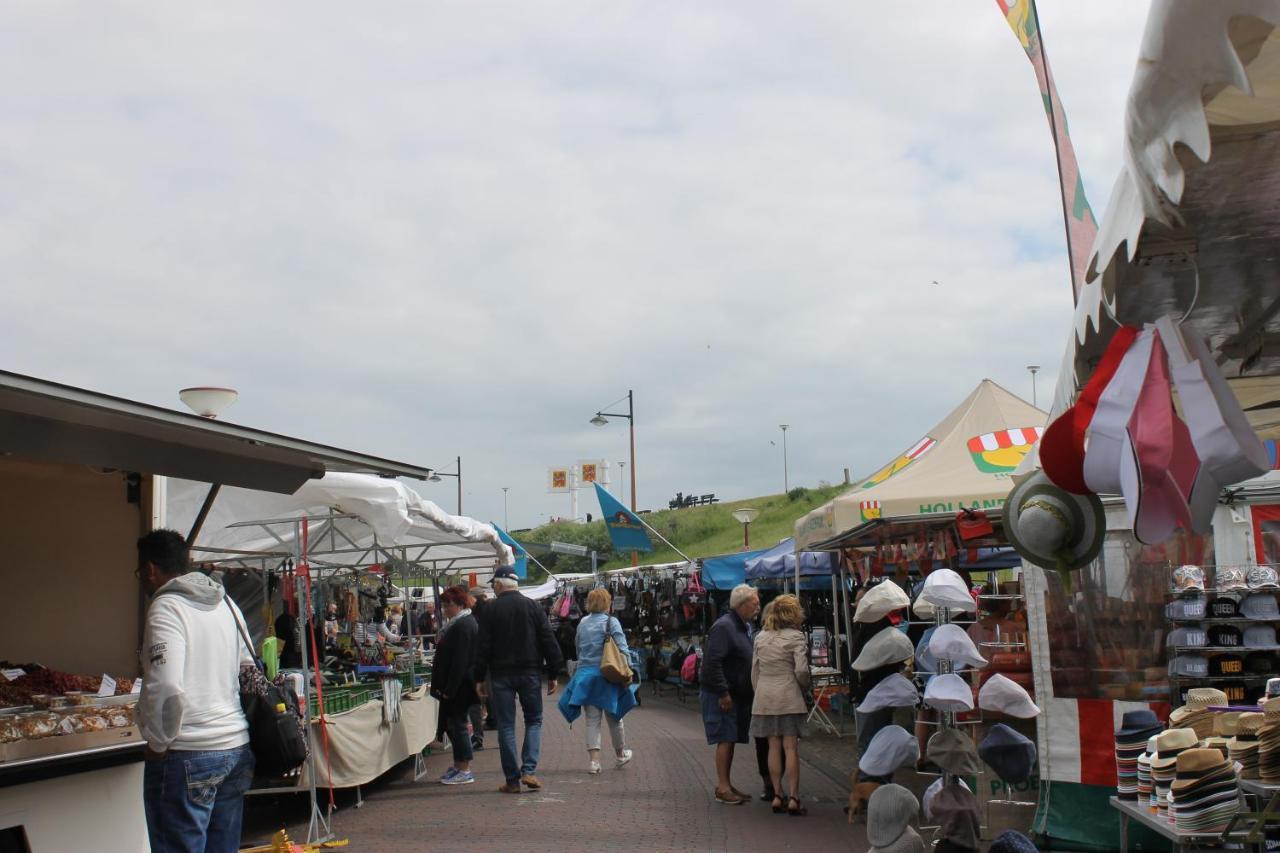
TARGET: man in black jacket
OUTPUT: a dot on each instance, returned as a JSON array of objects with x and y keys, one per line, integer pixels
[
  {"x": 726, "y": 692},
  {"x": 516, "y": 647}
]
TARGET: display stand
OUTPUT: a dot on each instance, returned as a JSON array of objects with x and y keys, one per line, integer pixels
[
  {"x": 1180, "y": 841},
  {"x": 824, "y": 681}
]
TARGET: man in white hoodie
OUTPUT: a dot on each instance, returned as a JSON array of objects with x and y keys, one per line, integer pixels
[{"x": 198, "y": 762}]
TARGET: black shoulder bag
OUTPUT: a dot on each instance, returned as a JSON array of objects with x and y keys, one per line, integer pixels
[{"x": 275, "y": 734}]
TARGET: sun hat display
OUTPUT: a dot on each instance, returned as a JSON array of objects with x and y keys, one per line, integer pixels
[
  {"x": 1012, "y": 841},
  {"x": 1242, "y": 748},
  {"x": 1263, "y": 577},
  {"x": 908, "y": 842},
  {"x": 1009, "y": 753},
  {"x": 1231, "y": 579},
  {"x": 890, "y": 811},
  {"x": 951, "y": 642},
  {"x": 926, "y": 801},
  {"x": 1138, "y": 722},
  {"x": 1188, "y": 637},
  {"x": 896, "y": 691},
  {"x": 888, "y": 646},
  {"x": 1225, "y": 726},
  {"x": 1203, "y": 796},
  {"x": 1227, "y": 636},
  {"x": 1185, "y": 608},
  {"x": 1169, "y": 744},
  {"x": 1271, "y": 708},
  {"x": 879, "y": 601},
  {"x": 945, "y": 588},
  {"x": 891, "y": 748},
  {"x": 1146, "y": 790},
  {"x": 1223, "y": 607},
  {"x": 1137, "y": 728},
  {"x": 948, "y": 692},
  {"x": 955, "y": 810},
  {"x": 1260, "y": 605},
  {"x": 1260, "y": 637},
  {"x": 1052, "y": 527},
  {"x": 954, "y": 752},
  {"x": 1006, "y": 697},
  {"x": 1187, "y": 578}
]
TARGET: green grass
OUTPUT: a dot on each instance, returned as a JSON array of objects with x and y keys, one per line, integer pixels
[{"x": 703, "y": 531}]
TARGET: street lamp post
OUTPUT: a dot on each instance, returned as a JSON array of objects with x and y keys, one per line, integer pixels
[
  {"x": 600, "y": 420},
  {"x": 1034, "y": 369},
  {"x": 746, "y": 515},
  {"x": 622, "y": 475},
  {"x": 437, "y": 475},
  {"x": 786, "y": 482},
  {"x": 505, "y": 522}
]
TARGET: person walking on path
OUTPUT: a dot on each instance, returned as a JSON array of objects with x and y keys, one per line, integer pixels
[
  {"x": 198, "y": 764},
  {"x": 590, "y": 690},
  {"x": 725, "y": 694},
  {"x": 453, "y": 678},
  {"x": 516, "y": 648},
  {"x": 779, "y": 676}
]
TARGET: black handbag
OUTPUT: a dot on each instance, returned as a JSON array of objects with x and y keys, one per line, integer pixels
[{"x": 276, "y": 735}]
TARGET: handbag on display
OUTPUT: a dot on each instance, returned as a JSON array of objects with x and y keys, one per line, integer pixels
[
  {"x": 566, "y": 603},
  {"x": 276, "y": 734},
  {"x": 613, "y": 663}
]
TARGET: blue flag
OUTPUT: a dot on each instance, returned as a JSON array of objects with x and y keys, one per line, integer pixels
[
  {"x": 522, "y": 556},
  {"x": 625, "y": 529}
]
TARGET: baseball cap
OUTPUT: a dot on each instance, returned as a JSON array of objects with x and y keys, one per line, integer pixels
[
  {"x": 1007, "y": 697},
  {"x": 951, "y": 642},
  {"x": 1225, "y": 635},
  {"x": 1192, "y": 665},
  {"x": 1260, "y": 637},
  {"x": 888, "y": 646},
  {"x": 1263, "y": 577},
  {"x": 1260, "y": 663},
  {"x": 1235, "y": 690},
  {"x": 1223, "y": 607},
  {"x": 896, "y": 691},
  {"x": 945, "y": 588},
  {"x": 1185, "y": 608},
  {"x": 954, "y": 752},
  {"x": 891, "y": 748},
  {"x": 1009, "y": 753},
  {"x": 879, "y": 601},
  {"x": 1231, "y": 579},
  {"x": 1260, "y": 605},
  {"x": 1226, "y": 665},
  {"x": 504, "y": 572},
  {"x": 948, "y": 692},
  {"x": 1189, "y": 636},
  {"x": 1186, "y": 578}
]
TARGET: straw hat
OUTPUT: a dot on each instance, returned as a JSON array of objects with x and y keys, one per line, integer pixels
[
  {"x": 1194, "y": 765},
  {"x": 1171, "y": 742},
  {"x": 1271, "y": 708},
  {"x": 1199, "y": 700}
]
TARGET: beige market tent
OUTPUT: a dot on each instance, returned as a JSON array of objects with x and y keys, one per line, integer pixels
[{"x": 964, "y": 461}]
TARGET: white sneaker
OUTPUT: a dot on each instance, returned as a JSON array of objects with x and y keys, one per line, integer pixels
[
  {"x": 593, "y": 768},
  {"x": 624, "y": 758}
]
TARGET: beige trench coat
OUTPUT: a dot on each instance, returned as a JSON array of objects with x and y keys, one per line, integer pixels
[{"x": 779, "y": 672}]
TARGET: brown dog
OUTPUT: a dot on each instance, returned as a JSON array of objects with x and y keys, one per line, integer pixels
[{"x": 859, "y": 796}]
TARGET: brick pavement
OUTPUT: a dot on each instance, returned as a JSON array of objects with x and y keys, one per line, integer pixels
[{"x": 662, "y": 801}]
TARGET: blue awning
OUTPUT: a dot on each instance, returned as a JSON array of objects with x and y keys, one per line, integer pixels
[
  {"x": 780, "y": 562},
  {"x": 727, "y": 570}
]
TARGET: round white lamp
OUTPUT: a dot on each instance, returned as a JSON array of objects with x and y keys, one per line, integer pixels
[{"x": 208, "y": 402}]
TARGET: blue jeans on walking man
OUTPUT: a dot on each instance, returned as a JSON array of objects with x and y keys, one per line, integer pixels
[
  {"x": 505, "y": 690},
  {"x": 195, "y": 800}
]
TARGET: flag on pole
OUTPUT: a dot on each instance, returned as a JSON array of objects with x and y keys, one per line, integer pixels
[
  {"x": 625, "y": 528},
  {"x": 522, "y": 556},
  {"x": 1081, "y": 225}
]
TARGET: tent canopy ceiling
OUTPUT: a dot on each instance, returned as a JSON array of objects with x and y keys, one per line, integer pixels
[
  {"x": 372, "y": 513},
  {"x": 780, "y": 562},
  {"x": 1194, "y": 215},
  {"x": 48, "y": 421},
  {"x": 727, "y": 570},
  {"x": 963, "y": 462}
]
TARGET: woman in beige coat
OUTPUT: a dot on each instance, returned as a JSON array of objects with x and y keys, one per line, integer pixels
[{"x": 780, "y": 675}]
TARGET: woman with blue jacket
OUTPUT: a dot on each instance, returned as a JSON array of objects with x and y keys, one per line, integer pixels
[{"x": 590, "y": 690}]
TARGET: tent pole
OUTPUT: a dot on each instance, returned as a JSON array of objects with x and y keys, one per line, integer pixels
[{"x": 836, "y": 582}]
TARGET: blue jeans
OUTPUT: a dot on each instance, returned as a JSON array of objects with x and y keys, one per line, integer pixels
[
  {"x": 505, "y": 690},
  {"x": 195, "y": 800}
]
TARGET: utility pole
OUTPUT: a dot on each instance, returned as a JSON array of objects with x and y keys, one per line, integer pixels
[{"x": 786, "y": 482}]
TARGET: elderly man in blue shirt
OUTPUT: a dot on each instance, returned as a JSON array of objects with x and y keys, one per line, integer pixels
[{"x": 726, "y": 692}]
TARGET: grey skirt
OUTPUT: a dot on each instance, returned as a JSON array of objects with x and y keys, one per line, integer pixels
[{"x": 778, "y": 725}]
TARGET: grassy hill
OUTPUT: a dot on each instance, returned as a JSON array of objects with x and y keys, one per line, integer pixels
[{"x": 702, "y": 531}]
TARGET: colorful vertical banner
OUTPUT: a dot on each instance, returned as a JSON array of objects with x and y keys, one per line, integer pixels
[
  {"x": 522, "y": 556},
  {"x": 590, "y": 471},
  {"x": 558, "y": 480},
  {"x": 625, "y": 528},
  {"x": 1082, "y": 227}
]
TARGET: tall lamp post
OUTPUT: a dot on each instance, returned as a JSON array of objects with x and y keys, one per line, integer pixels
[
  {"x": 437, "y": 475},
  {"x": 601, "y": 418},
  {"x": 1033, "y": 369},
  {"x": 746, "y": 515},
  {"x": 786, "y": 483},
  {"x": 505, "y": 522}
]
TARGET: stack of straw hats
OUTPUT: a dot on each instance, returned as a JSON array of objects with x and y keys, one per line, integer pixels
[
  {"x": 1269, "y": 743},
  {"x": 1164, "y": 764},
  {"x": 1203, "y": 797},
  {"x": 1196, "y": 714},
  {"x": 1225, "y": 725},
  {"x": 1146, "y": 790},
  {"x": 1243, "y": 748}
]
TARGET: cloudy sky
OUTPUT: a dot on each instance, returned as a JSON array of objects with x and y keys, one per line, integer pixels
[{"x": 423, "y": 230}]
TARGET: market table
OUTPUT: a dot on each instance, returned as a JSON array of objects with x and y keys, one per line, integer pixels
[
  {"x": 362, "y": 747},
  {"x": 1130, "y": 810}
]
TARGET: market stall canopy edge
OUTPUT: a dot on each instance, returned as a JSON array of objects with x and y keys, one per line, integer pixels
[{"x": 48, "y": 421}]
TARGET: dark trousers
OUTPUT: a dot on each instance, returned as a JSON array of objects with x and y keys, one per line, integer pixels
[{"x": 476, "y": 713}]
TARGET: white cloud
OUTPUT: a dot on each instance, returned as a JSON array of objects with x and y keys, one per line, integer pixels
[{"x": 423, "y": 231}]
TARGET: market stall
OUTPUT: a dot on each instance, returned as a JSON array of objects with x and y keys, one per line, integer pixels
[{"x": 82, "y": 461}]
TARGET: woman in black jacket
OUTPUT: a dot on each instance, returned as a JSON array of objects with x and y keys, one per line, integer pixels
[{"x": 453, "y": 678}]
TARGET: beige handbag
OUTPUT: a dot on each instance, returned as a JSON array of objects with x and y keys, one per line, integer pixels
[{"x": 613, "y": 663}]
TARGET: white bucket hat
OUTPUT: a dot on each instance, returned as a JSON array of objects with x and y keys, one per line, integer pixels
[
  {"x": 1007, "y": 697},
  {"x": 950, "y": 642},
  {"x": 879, "y": 601},
  {"x": 945, "y": 588},
  {"x": 891, "y": 748},
  {"x": 896, "y": 691},
  {"x": 888, "y": 646},
  {"x": 948, "y": 692}
]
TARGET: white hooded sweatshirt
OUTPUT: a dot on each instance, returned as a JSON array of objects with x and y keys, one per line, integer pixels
[{"x": 191, "y": 657}]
